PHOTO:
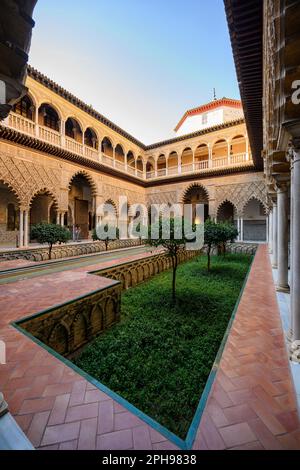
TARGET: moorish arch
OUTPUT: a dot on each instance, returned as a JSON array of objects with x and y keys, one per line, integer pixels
[
  {"x": 196, "y": 194},
  {"x": 254, "y": 214},
  {"x": 82, "y": 191},
  {"x": 227, "y": 212},
  {"x": 43, "y": 207},
  {"x": 9, "y": 214}
]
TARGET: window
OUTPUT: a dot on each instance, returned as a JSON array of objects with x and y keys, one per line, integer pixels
[
  {"x": 204, "y": 118},
  {"x": 24, "y": 107}
]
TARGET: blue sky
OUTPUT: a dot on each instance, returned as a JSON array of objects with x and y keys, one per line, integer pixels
[{"x": 141, "y": 63}]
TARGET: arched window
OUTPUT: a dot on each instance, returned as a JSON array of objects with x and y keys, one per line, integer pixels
[
  {"x": 25, "y": 108},
  {"x": 106, "y": 147},
  {"x": 90, "y": 138},
  {"x": 73, "y": 130},
  {"x": 48, "y": 117}
]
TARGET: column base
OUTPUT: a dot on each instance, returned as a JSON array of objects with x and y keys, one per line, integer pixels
[
  {"x": 295, "y": 351},
  {"x": 285, "y": 289},
  {"x": 289, "y": 337}
]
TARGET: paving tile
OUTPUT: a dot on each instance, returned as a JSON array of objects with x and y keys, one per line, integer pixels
[
  {"x": 87, "y": 435},
  {"x": 264, "y": 435},
  {"x": 37, "y": 427},
  {"x": 61, "y": 433},
  {"x": 237, "y": 434},
  {"x": 106, "y": 417},
  {"x": 141, "y": 438},
  {"x": 126, "y": 420},
  {"x": 76, "y": 413},
  {"x": 118, "y": 440},
  {"x": 59, "y": 410}
]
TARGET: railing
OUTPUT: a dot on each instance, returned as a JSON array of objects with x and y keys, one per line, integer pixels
[
  {"x": 120, "y": 165},
  {"x": 21, "y": 123},
  {"x": 74, "y": 146},
  {"x": 238, "y": 158},
  {"x": 186, "y": 168},
  {"x": 131, "y": 170},
  {"x": 90, "y": 152},
  {"x": 53, "y": 137},
  {"x": 219, "y": 162},
  {"x": 203, "y": 165},
  {"x": 162, "y": 172},
  {"x": 107, "y": 160},
  {"x": 49, "y": 135}
]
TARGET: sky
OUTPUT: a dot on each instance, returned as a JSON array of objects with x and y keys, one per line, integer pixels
[{"x": 140, "y": 63}]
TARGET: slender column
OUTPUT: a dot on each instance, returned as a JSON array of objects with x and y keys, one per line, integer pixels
[
  {"x": 242, "y": 229},
  {"x": 21, "y": 229},
  {"x": 57, "y": 218},
  {"x": 62, "y": 133},
  {"x": 267, "y": 229},
  {"x": 36, "y": 121},
  {"x": 179, "y": 164},
  {"x": 209, "y": 157},
  {"x": 274, "y": 243},
  {"x": 155, "y": 167},
  {"x": 282, "y": 198},
  {"x": 295, "y": 291},
  {"x": 26, "y": 227},
  {"x": 247, "y": 149},
  {"x": 228, "y": 152},
  {"x": 270, "y": 238},
  {"x": 62, "y": 219},
  {"x": 114, "y": 156},
  {"x": 193, "y": 161}
]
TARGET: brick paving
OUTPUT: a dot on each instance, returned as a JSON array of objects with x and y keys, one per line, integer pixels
[{"x": 251, "y": 406}]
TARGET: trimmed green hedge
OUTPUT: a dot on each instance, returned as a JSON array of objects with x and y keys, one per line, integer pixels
[{"x": 160, "y": 355}]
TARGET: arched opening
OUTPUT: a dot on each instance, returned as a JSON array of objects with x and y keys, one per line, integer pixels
[
  {"x": 187, "y": 160},
  {"x": 130, "y": 162},
  {"x": 9, "y": 216},
  {"x": 220, "y": 153},
  {"x": 119, "y": 156},
  {"x": 161, "y": 165},
  {"x": 150, "y": 168},
  {"x": 48, "y": 117},
  {"x": 25, "y": 108},
  {"x": 140, "y": 166},
  {"x": 90, "y": 138},
  {"x": 254, "y": 221},
  {"x": 196, "y": 194},
  {"x": 201, "y": 157},
  {"x": 227, "y": 213},
  {"x": 173, "y": 163},
  {"x": 40, "y": 208},
  {"x": 81, "y": 206},
  {"x": 107, "y": 148},
  {"x": 73, "y": 130},
  {"x": 238, "y": 149}
]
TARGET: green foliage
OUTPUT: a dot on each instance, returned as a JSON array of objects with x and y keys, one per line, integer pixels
[
  {"x": 50, "y": 233},
  {"x": 107, "y": 239},
  {"x": 159, "y": 357},
  {"x": 171, "y": 244},
  {"x": 217, "y": 234}
]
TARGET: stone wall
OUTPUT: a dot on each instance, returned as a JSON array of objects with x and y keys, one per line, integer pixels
[
  {"x": 66, "y": 251},
  {"x": 68, "y": 327},
  {"x": 130, "y": 274}
]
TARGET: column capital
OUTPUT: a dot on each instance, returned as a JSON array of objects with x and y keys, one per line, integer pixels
[{"x": 282, "y": 186}]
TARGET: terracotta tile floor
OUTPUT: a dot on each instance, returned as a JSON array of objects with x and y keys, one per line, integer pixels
[{"x": 251, "y": 405}]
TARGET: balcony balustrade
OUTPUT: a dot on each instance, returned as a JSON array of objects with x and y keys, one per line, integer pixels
[{"x": 26, "y": 126}]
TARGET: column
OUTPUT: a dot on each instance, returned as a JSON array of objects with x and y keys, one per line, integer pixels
[
  {"x": 267, "y": 229},
  {"x": 26, "y": 227},
  {"x": 62, "y": 219},
  {"x": 62, "y": 131},
  {"x": 155, "y": 167},
  {"x": 295, "y": 229},
  {"x": 228, "y": 153},
  {"x": 270, "y": 237},
  {"x": 21, "y": 229},
  {"x": 247, "y": 149},
  {"x": 193, "y": 164},
  {"x": 274, "y": 242},
  {"x": 282, "y": 242},
  {"x": 179, "y": 164},
  {"x": 36, "y": 122},
  {"x": 114, "y": 156},
  {"x": 209, "y": 157},
  {"x": 242, "y": 229},
  {"x": 57, "y": 218}
]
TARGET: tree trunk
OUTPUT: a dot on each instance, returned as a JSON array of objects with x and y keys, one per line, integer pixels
[
  {"x": 208, "y": 258},
  {"x": 50, "y": 250},
  {"x": 174, "y": 264}
]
